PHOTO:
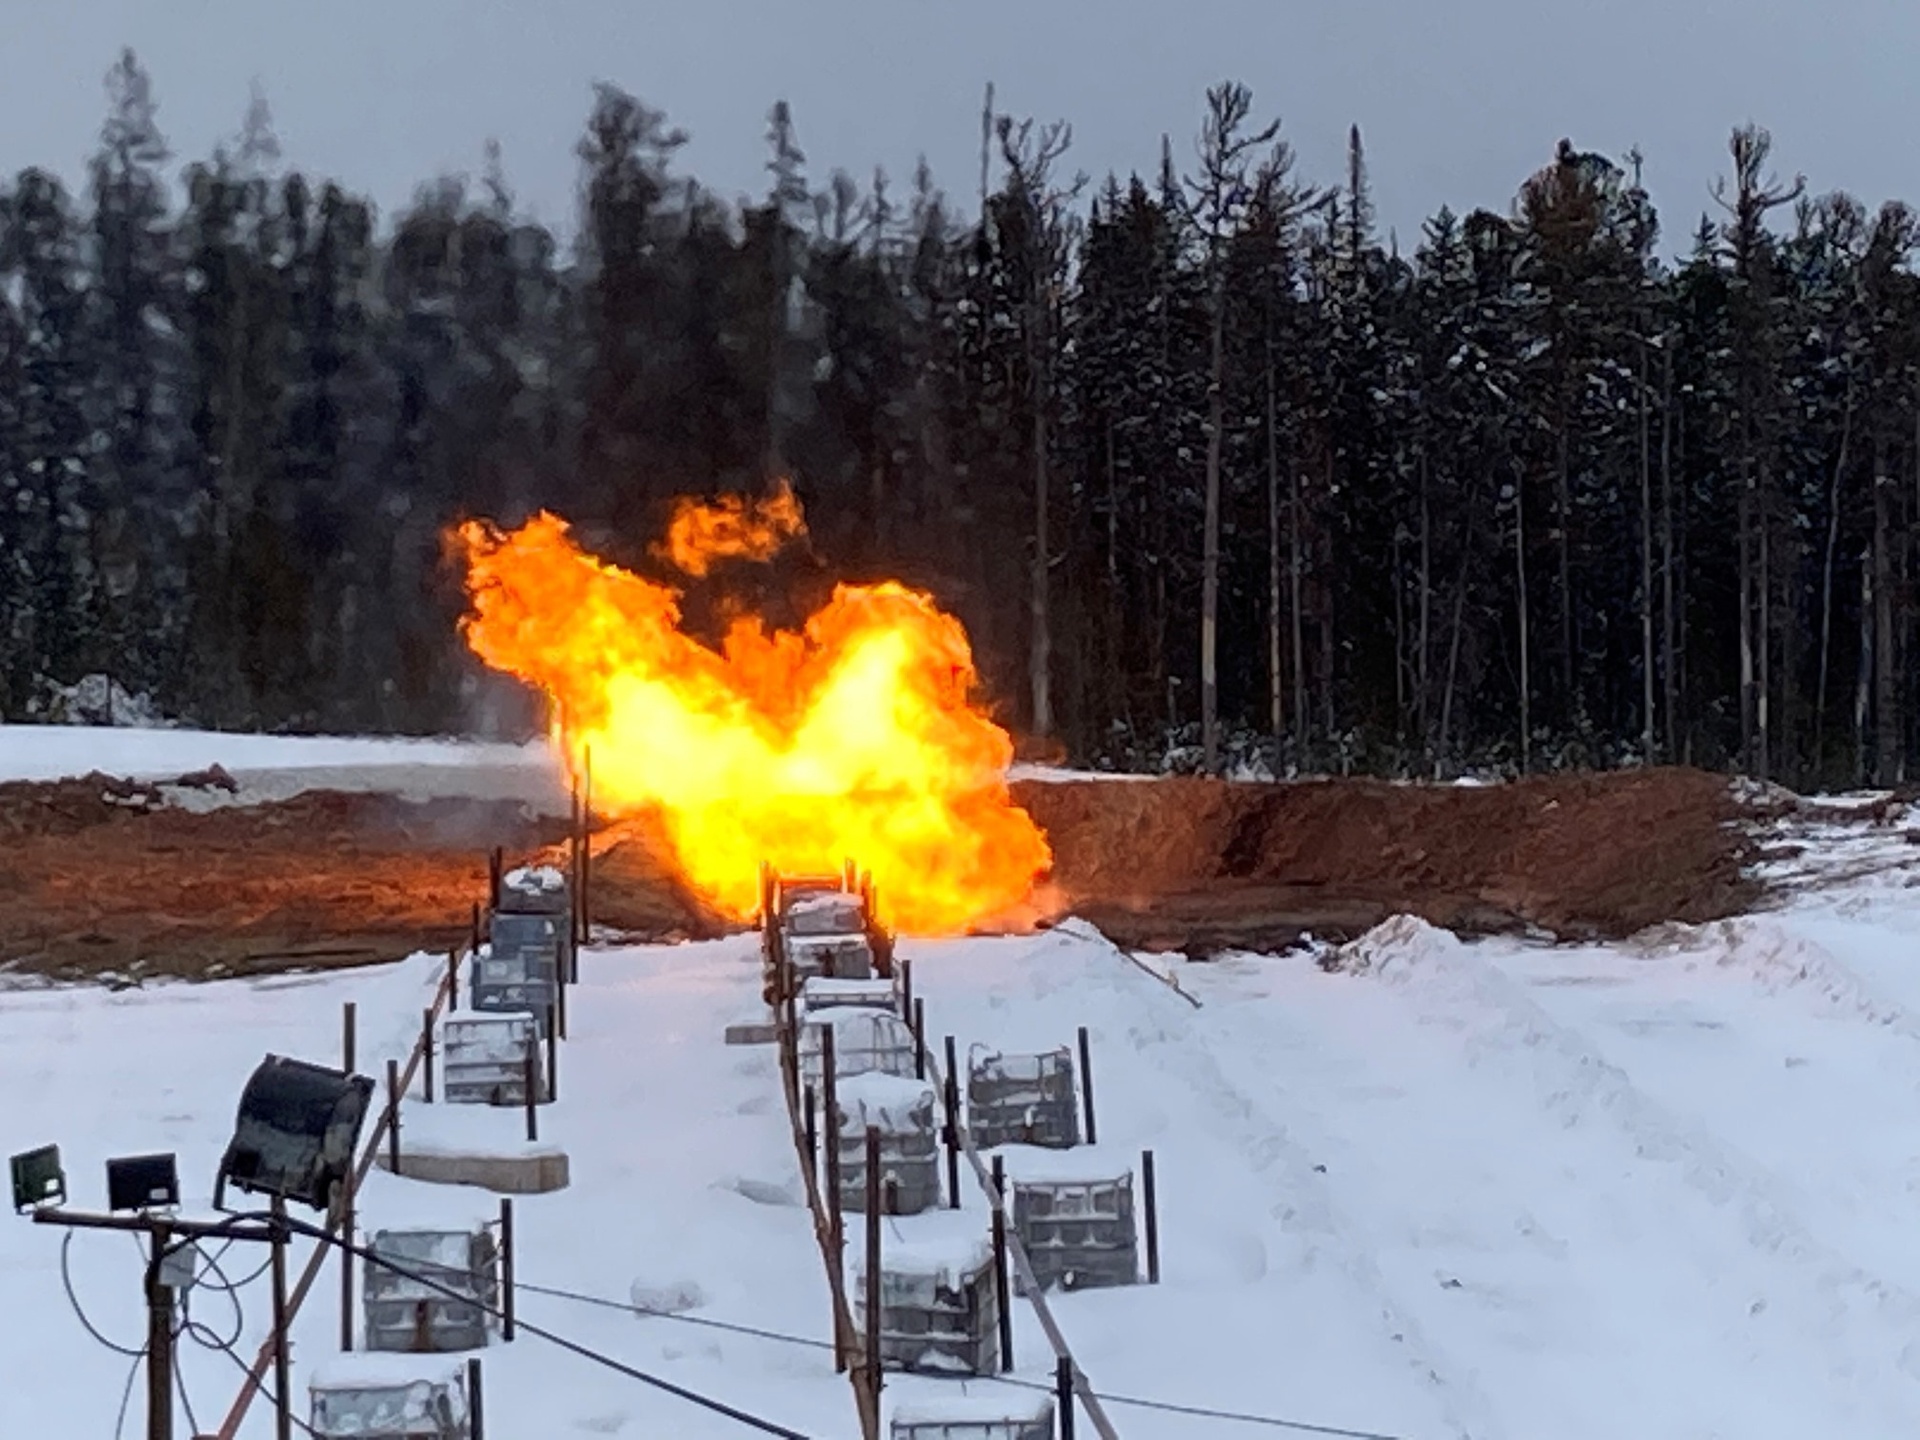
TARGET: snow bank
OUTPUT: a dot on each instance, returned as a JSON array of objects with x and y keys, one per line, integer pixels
[
  {"x": 50, "y": 752},
  {"x": 1779, "y": 960}
]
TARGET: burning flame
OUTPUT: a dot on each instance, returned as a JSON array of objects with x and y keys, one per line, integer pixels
[
  {"x": 853, "y": 737},
  {"x": 731, "y": 527}
]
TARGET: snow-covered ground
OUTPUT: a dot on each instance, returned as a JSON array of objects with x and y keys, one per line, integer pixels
[
  {"x": 1664, "y": 1189},
  {"x": 275, "y": 767}
]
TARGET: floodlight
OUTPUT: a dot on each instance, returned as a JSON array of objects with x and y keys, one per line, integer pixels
[
  {"x": 143, "y": 1182},
  {"x": 38, "y": 1179},
  {"x": 295, "y": 1133}
]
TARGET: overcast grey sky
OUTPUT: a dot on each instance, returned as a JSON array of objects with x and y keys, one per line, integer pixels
[{"x": 1458, "y": 99}]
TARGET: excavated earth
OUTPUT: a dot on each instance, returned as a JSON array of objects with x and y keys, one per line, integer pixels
[
  {"x": 107, "y": 878},
  {"x": 1202, "y": 866}
]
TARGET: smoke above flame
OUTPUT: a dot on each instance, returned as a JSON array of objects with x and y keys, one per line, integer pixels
[{"x": 856, "y": 736}]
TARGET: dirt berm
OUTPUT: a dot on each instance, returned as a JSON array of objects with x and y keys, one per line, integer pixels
[
  {"x": 104, "y": 877},
  {"x": 1202, "y": 866}
]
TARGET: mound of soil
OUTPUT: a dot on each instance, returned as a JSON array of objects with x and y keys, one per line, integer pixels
[
  {"x": 101, "y": 877},
  {"x": 1203, "y": 865},
  {"x": 635, "y": 890}
]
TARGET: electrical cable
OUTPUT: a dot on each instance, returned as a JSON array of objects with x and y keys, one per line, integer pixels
[
  {"x": 212, "y": 1262},
  {"x": 227, "y": 1288},
  {"x": 1202, "y": 1412},
  {"x": 1134, "y": 1402},
  {"x": 73, "y": 1299},
  {"x": 703, "y": 1321},
  {"x": 126, "y": 1395},
  {"x": 692, "y": 1397},
  {"x": 266, "y": 1390},
  {"x": 186, "y": 1401}
]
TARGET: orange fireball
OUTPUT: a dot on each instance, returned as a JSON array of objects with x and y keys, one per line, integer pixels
[{"x": 854, "y": 737}]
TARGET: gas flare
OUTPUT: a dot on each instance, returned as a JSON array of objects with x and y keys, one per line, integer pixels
[
  {"x": 732, "y": 527},
  {"x": 854, "y": 737}
]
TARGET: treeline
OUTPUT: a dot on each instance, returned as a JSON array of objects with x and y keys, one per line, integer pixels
[{"x": 1214, "y": 472}]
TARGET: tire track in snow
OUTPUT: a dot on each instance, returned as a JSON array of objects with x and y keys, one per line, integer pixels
[
  {"x": 1166, "y": 1036},
  {"x": 1866, "y": 1314}
]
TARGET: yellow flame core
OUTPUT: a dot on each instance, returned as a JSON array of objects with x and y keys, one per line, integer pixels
[{"x": 853, "y": 738}]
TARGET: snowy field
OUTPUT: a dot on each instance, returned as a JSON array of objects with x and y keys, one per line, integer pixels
[
  {"x": 275, "y": 767},
  {"x": 1665, "y": 1189}
]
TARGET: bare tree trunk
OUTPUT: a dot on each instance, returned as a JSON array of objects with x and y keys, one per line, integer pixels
[
  {"x": 986, "y": 148},
  {"x": 1276, "y": 681},
  {"x": 1646, "y": 576},
  {"x": 1520, "y": 582},
  {"x": 1668, "y": 620},
  {"x": 1563, "y": 504},
  {"x": 1400, "y": 666},
  {"x": 1113, "y": 511},
  {"x": 1297, "y": 521},
  {"x": 1210, "y": 544},
  {"x": 1864, "y": 676},
  {"x": 1323, "y": 598},
  {"x": 1040, "y": 662},
  {"x": 1886, "y": 706},
  {"x": 1826, "y": 581},
  {"x": 1453, "y": 653},
  {"x": 1423, "y": 675},
  {"x": 1682, "y": 604},
  {"x": 1745, "y": 541},
  {"x": 1763, "y": 719}
]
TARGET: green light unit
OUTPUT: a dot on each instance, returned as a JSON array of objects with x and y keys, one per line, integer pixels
[{"x": 38, "y": 1180}]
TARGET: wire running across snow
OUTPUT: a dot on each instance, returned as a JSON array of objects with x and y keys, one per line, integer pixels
[{"x": 1167, "y": 1407}]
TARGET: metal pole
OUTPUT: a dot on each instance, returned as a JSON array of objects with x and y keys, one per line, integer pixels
[
  {"x": 530, "y": 1080},
  {"x": 553, "y": 1057},
  {"x": 346, "y": 1270},
  {"x": 830, "y": 1102},
  {"x": 1063, "y": 1395},
  {"x": 906, "y": 992},
  {"x": 393, "y": 1116},
  {"x": 573, "y": 861},
  {"x": 1086, "y": 1084},
  {"x": 426, "y": 1051},
  {"x": 453, "y": 970},
  {"x": 874, "y": 1221},
  {"x": 952, "y": 1131},
  {"x": 348, "y": 1015},
  {"x": 1153, "y": 1217},
  {"x": 159, "y": 1342},
  {"x": 586, "y": 847},
  {"x": 811, "y": 1107},
  {"x": 506, "y": 1268},
  {"x": 476, "y": 1405},
  {"x": 1002, "y": 1288},
  {"x": 282, "y": 1351},
  {"x": 918, "y": 1019}
]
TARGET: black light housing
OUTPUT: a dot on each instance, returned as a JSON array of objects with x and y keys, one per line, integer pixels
[
  {"x": 38, "y": 1179},
  {"x": 143, "y": 1182},
  {"x": 295, "y": 1133}
]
